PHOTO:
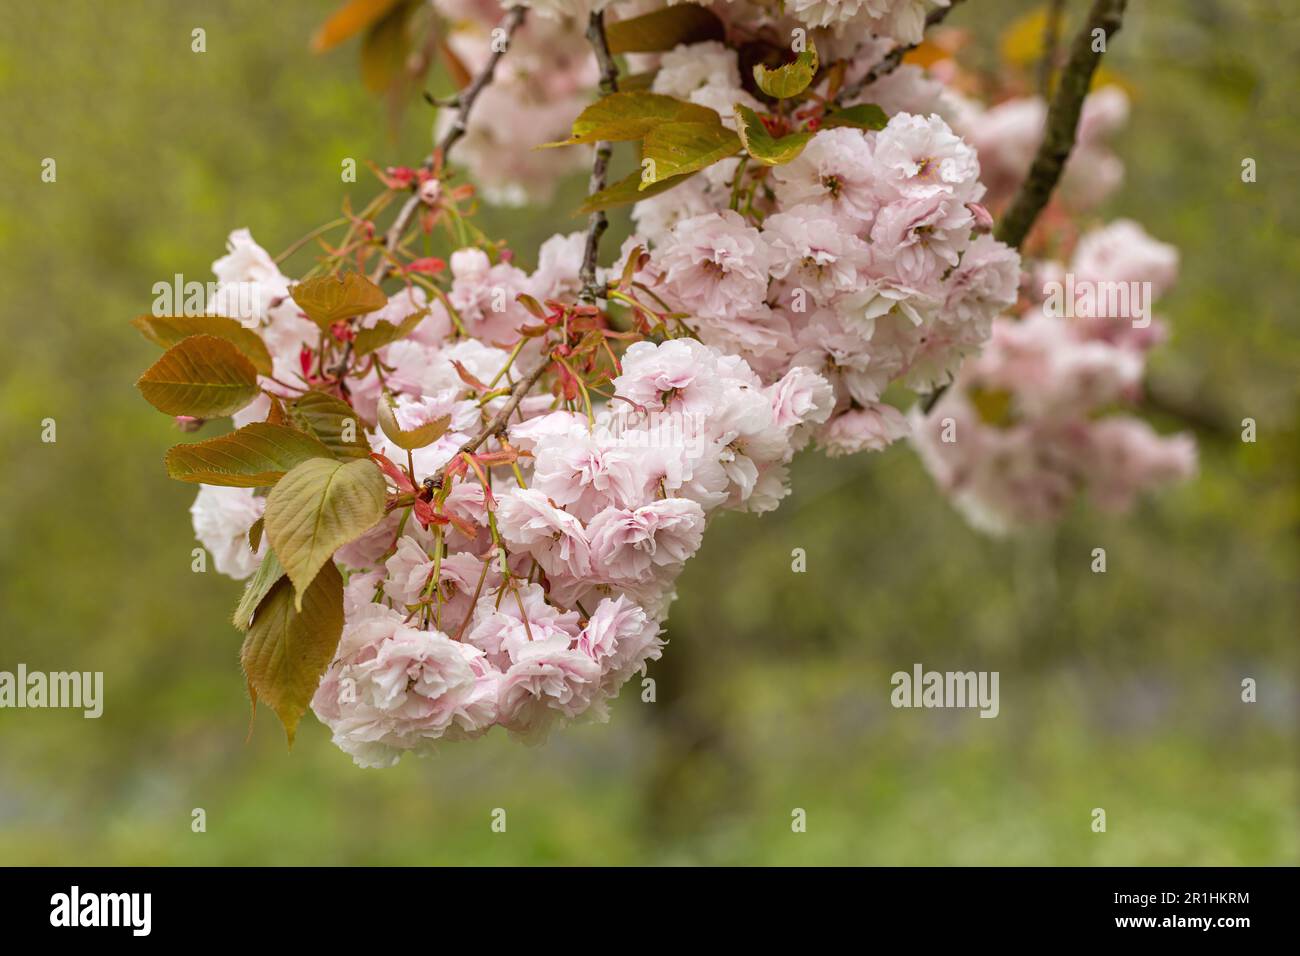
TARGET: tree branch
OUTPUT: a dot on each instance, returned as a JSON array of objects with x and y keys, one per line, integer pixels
[
  {"x": 1062, "y": 123},
  {"x": 598, "y": 222},
  {"x": 1058, "y": 135},
  {"x": 1197, "y": 414},
  {"x": 465, "y": 99},
  {"x": 495, "y": 426},
  {"x": 892, "y": 60},
  {"x": 464, "y": 103},
  {"x": 596, "y": 226},
  {"x": 1051, "y": 39}
]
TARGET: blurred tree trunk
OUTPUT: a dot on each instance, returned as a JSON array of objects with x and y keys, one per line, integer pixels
[{"x": 697, "y": 774}]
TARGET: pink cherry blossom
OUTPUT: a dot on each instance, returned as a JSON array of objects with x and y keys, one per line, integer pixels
[
  {"x": 394, "y": 688},
  {"x": 715, "y": 264},
  {"x": 528, "y": 520},
  {"x": 631, "y": 545}
]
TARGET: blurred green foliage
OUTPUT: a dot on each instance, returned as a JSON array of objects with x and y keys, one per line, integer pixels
[{"x": 1119, "y": 690}]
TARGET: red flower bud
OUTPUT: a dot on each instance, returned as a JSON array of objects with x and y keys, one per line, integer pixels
[
  {"x": 430, "y": 265},
  {"x": 398, "y": 177}
]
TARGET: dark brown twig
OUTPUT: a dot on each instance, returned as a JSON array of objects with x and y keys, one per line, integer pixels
[
  {"x": 1051, "y": 39},
  {"x": 1062, "y": 123},
  {"x": 465, "y": 99},
  {"x": 598, "y": 222},
  {"x": 464, "y": 103},
  {"x": 495, "y": 425},
  {"x": 1198, "y": 414},
  {"x": 892, "y": 60},
  {"x": 596, "y": 226},
  {"x": 1058, "y": 135}
]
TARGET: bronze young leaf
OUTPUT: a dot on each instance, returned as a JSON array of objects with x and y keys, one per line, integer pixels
[
  {"x": 330, "y": 299},
  {"x": 166, "y": 331},
  {"x": 760, "y": 144},
  {"x": 255, "y": 456},
  {"x": 202, "y": 376},
  {"x": 288, "y": 645},
  {"x": 418, "y": 437}
]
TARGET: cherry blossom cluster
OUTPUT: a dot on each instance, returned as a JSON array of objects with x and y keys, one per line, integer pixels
[
  {"x": 869, "y": 263},
  {"x": 900, "y": 20},
  {"x": 527, "y": 558},
  {"x": 864, "y": 258},
  {"x": 550, "y": 72},
  {"x": 531, "y": 598},
  {"x": 536, "y": 91},
  {"x": 1032, "y": 422}
]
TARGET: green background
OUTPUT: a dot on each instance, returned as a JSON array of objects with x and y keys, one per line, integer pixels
[{"x": 1118, "y": 690}]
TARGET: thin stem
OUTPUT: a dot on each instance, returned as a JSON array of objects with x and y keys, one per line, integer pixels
[
  {"x": 510, "y": 360},
  {"x": 892, "y": 60},
  {"x": 465, "y": 99},
  {"x": 598, "y": 222},
  {"x": 318, "y": 231},
  {"x": 738, "y": 181},
  {"x": 465, "y": 102},
  {"x": 473, "y": 601},
  {"x": 497, "y": 424}
]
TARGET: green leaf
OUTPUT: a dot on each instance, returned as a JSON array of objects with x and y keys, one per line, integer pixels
[
  {"x": 634, "y": 82},
  {"x": 201, "y": 375},
  {"x": 384, "y": 333},
  {"x": 166, "y": 331},
  {"x": 863, "y": 116},
  {"x": 330, "y": 299},
  {"x": 288, "y": 648},
  {"x": 327, "y": 418},
  {"x": 426, "y": 434},
  {"x": 258, "y": 587},
  {"x": 760, "y": 144},
  {"x": 621, "y": 117},
  {"x": 677, "y": 148},
  {"x": 255, "y": 456},
  {"x": 255, "y": 534},
  {"x": 664, "y": 29},
  {"x": 628, "y": 190},
  {"x": 318, "y": 507},
  {"x": 791, "y": 79}
]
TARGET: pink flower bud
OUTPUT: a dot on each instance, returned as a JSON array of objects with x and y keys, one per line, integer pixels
[{"x": 983, "y": 219}]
